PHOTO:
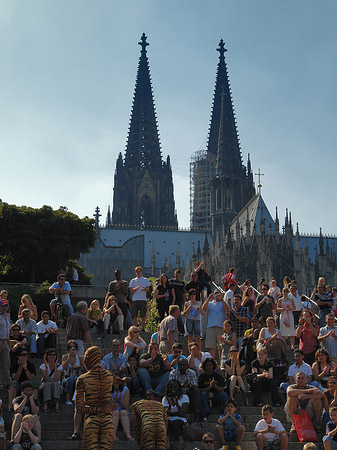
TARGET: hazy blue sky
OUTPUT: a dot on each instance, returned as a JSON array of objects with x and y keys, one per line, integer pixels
[{"x": 67, "y": 77}]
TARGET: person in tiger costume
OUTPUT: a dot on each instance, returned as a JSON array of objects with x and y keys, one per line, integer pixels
[
  {"x": 149, "y": 419},
  {"x": 93, "y": 393}
]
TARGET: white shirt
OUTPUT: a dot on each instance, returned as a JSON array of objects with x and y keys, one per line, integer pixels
[
  {"x": 139, "y": 295},
  {"x": 297, "y": 301},
  {"x": 304, "y": 367},
  {"x": 262, "y": 425},
  {"x": 274, "y": 292},
  {"x": 229, "y": 297},
  {"x": 183, "y": 399},
  {"x": 41, "y": 327}
]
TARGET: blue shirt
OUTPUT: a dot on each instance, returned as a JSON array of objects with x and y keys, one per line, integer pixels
[
  {"x": 109, "y": 362},
  {"x": 216, "y": 314},
  {"x": 64, "y": 297},
  {"x": 170, "y": 358}
]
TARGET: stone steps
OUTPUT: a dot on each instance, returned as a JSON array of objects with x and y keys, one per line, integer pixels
[{"x": 57, "y": 427}]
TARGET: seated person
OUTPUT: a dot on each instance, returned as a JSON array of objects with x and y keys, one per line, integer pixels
[
  {"x": 189, "y": 383},
  {"x": 112, "y": 313},
  {"x": 267, "y": 333},
  {"x": 121, "y": 396},
  {"x": 330, "y": 438},
  {"x": 26, "y": 437},
  {"x": 262, "y": 379},
  {"x": 28, "y": 329},
  {"x": 176, "y": 355},
  {"x": 133, "y": 343},
  {"x": 132, "y": 369},
  {"x": 299, "y": 366},
  {"x": 27, "y": 403},
  {"x": 323, "y": 368},
  {"x": 22, "y": 370},
  {"x": 176, "y": 404},
  {"x": 211, "y": 385},
  {"x": 2, "y": 430},
  {"x": 154, "y": 370},
  {"x": 234, "y": 369},
  {"x": 95, "y": 317},
  {"x": 303, "y": 396},
  {"x": 17, "y": 340},
  {"x": 50, "y": 387},
  {"x": 27, "y": 302},
  {"x": 329, "y": 398},
  {"x": 47, "y": 331},
  {"x": 196, "y": 357},
  {"x": 72, "y": 364},
  {"x": 269, "y": 432},
  {"x": 115, "y": 361},
  {"x": 229, "y": 427}
]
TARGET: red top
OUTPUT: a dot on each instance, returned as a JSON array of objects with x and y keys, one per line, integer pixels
[{"x": 308, "y": 341}]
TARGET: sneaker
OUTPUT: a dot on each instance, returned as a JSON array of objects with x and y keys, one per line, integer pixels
[
  {"x": 224, "y": 447},
  {"x": 238, "y": 447},
  {"x": 317, "y": 428},
  {"x": 292, "y": 429},
  {"x": 100, "y": 337},
  {"x": 68, "y": 403}
]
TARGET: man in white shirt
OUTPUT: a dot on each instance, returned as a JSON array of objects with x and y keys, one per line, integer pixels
[
  {"x": 274, "y": 290},
  {"x": 229, "y": 295},
  {"x": 298, "y": 303},
  {"x": 328, "y": 337},
  {"x": 28, "y": 329},
  {"x": 299, "y": 366},
  {"x": 139, "y": 286},
  {"x": 47, "y": 331}
]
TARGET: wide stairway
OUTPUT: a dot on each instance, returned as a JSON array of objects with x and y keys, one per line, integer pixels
[{"x": 57, "y": 427}]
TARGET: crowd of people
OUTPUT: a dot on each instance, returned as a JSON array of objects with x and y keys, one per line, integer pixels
[{"x": 232, "y": 332}]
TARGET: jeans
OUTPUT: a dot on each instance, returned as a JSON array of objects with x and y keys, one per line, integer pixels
[
  {"x": 33, "y": 447},
  {"x": 321, "y": 314},
  {"x": 32, "y": 343},
  {"x": 285, "y": 385},
  {"x": 219, "y": 397},
  {"x": 263, "y": 385},
  {"x": 69, "y": 385},
  {"x": 158, "y": 384},
  {"x": 44, "y": 342}
]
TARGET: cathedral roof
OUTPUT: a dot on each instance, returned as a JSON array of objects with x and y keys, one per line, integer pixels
[{"x": 251, "y": 217}]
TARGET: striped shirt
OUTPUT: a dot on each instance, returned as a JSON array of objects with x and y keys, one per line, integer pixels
[{"x": 5, "y": 326}]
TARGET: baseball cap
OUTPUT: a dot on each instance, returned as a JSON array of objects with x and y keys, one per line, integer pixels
[{"x": 4, "y": 302}]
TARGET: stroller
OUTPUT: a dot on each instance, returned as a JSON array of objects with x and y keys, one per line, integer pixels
[{"x": 276, "y": 351}]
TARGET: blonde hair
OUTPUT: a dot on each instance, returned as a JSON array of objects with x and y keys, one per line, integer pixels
[
  {"x": 131, "y": 330},
  {"x": 321, "y": 280},
  {"x": 90, "y": 307},
  {"x": 108, "y": 297},
  {"x": 27, "y": 416},
  {"x": 28, "y": 299}
]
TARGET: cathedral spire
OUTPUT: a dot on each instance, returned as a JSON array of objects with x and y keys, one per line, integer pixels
[
  {"x": 143, "y": 185},
  {"x": 223, "y": 124},
  {"x": 143, "y": 146}
]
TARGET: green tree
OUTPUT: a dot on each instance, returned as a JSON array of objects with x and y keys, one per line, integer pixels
[{"x": 36, "y": 243}]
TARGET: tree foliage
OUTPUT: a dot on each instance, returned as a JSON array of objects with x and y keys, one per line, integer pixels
[{"x": 35, "y": 244}]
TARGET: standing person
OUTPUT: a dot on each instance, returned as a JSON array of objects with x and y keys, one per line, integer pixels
[
  {"x": 265, "y": 304},
  {"x": 61, "y": 289},
  {"x": 93, "y": 392},
  {"x": 139, "y": 286},
  {"x": 307, "y": 333},
  {"x": 216, "y": 307},
  {"x": 230, "y": 295},
  {"x": 149, "y": 419},
  {"x": 78, "y": 328},
  {"x": 168, "y": 330},
  {"x": 274, "y": 290},
  {"x": 28, "y": 329},
  {"x": 47, "y": 331},
  {"x": 328, "y": 337},
  {"x": 203, "y": 276},
  {"x": 324, "y": 304},
  {"x": 230, "y": 277},
  {"x": 193, "y": 312},
  {"x": 164, "y": 294},
  {"x": 240, "y": 317},
  {"x": 298, "y": 303},
  {"x": 120, "y": 289},
  {"x": 248, "y": 299},
  {"x": 197, "y": 286},
  {"x": 5, "y": 328},
  {"x": 179, "y": 289},
  {"x": 286, "y": 306}
]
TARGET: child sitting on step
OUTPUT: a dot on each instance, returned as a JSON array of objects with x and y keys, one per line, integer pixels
[
  {"x": 269, "y": 432},
  {"x": 229, "y": 427}
]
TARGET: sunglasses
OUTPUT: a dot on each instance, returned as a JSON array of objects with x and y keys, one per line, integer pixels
[
  {"x": 24, "y": 354},
  {"x": 233, "y": 351},
  {"x": 209, "y": 441}
]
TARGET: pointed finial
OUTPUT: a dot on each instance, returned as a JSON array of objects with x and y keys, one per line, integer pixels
[
  {"x": 143, "y": 42},
  {"x": 259, "y": 174},
  {"x": 221, "y": 49},
  {"x": 276, "y": 214}
]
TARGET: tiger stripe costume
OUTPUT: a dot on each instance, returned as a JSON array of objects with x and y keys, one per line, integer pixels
[
  {"x": 149, "y": 419},
  {"x": 93, "y": 390}
]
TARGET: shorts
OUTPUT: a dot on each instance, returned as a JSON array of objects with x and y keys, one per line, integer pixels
[
  {"x": 271, "y": 445},
  {"x": 308, "y": 408},
  {"x": 332, "y": 442},
  {"x": 139, "y": 305},
  {"x": 193, "y": 327},
  {"x": 212, "y": 334}
]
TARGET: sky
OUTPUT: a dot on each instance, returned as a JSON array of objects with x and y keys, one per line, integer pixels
[{"x": 67, "y": 78}]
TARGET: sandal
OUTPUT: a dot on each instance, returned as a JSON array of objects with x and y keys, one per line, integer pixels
[{"x": 74, "y": 437}]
